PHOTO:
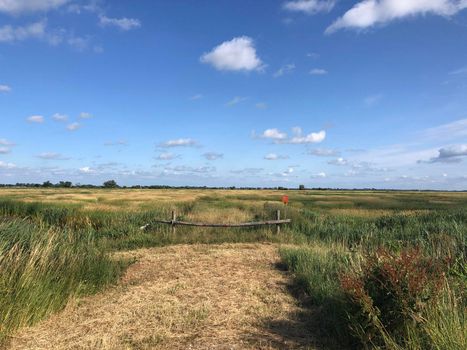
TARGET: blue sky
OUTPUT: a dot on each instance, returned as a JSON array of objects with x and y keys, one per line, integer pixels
[{"x": 248, "y": 93}]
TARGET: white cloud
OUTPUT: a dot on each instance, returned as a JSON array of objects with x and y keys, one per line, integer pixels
[
  {"x": 17, "y": 7},
  {"x": 274, "y": 134},
  {"x": 314, "y": 137},
  {"x": 35, "y": 119},
  {"x": 298, "y": 137},
  {"x": 261, "y": 105},
  {"x": 449, "y": 131},
  {"x": 236, "y": 100},
  {"x": 73, "y": 126},
  {"x": 183, "y": 142},
  {"x": 310, "y": 7},
  {"x": 116, "y": 143},
  {"x": 213, "y": 155},
  {"x": 35, "y": 30},
  {"x": 5, "y": 165},
  {"x": 452, "y": 154},
  {"x": 5, "y": 150},
  {"x": 60, "y": 117},
  {"x": 5, "y": 142},
  {"x": 323, "y": 152},
  {"x": 5, "y": 88},
  {"x": 288, "y": 68},
  {"x": 52, "y": 156},
  {"x": 86, "y": 170},
  {"x": 85, "y": 115},
  {"x": 318, "y": 71},
  {"x": 121, "y": 23},
  {"x": 274, "y": 156},
  {"x": 368, "y": 13},
  {"x": 166, "y": 156},
  {"x": 459, "y": 71},
  {"x": 238, "y": 54},
  {"x": 321, "y": 175},
  {"x": 339, "y": 161}
]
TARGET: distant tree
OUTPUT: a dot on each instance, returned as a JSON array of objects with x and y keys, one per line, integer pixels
[
  {"x": 301, "y": 187},
  {"x": 110, "y": 184},
  {"x": 47, "y": 184},
  {"x": 66, "y": 184}
]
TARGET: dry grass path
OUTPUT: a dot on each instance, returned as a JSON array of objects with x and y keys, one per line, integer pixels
[{"x": 229, "y": 296}]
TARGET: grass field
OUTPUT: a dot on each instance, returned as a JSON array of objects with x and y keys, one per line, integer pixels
[{"x": 380, "y": 269}]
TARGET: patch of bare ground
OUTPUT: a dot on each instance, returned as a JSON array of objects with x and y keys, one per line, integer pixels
[{"x": 228, "y": 296}]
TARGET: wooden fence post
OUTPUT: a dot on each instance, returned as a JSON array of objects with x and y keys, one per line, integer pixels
[
  {"x": 174, "y": 218},
  {"x": 278, "y": 217}
]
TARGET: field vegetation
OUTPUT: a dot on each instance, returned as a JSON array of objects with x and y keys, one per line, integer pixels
[{"x": 381, "y": 269}]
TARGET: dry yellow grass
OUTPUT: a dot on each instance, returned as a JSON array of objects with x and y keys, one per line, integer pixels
[{"x": 183, "y": 297}]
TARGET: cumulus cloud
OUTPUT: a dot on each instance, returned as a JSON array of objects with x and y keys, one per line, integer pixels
[
  {"x": 213, "y": 155},
  {"x": 35, "y": 119},
  {"x": 60, "y": 117},
  {"x": 4, "y": 150},
  {"x": 52, "y": 156},
  {"x": 274, "y": 134},
  {"x": 73, "y": 126},
  {"x": 297, "y": 138},
  {"x": 121, "y": 23},
  {"x": 309, "y": 7},
  {"x": 368, "y": 13},
  {"x": 452, "y": 154},
  {"x": 86, "y": 170},
  {"x": 17, "y": 7},
  {"x": 4, "y": 88},
  {"x": 5, "y": 142},
  {"x": 323, "y": 152},
  {"x": 182, "y": 142},
  {"x": 318, "y": 71},
  {"x": 288, "y": 68},
  {"x": 238, "y": 54}
]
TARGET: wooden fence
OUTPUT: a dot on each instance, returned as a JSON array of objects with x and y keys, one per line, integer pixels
[{"x": 174, "y": 222}]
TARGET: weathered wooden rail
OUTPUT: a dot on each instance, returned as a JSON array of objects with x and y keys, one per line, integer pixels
[{"x": 175, "y": 222}]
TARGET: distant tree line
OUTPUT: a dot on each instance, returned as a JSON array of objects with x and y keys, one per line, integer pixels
[{"x": 113, "y": 184}]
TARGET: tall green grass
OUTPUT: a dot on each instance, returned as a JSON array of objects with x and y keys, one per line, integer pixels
[{"x": 42, "y": 267}]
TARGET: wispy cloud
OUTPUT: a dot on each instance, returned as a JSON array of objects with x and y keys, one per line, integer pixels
[
  {"x": 213, "y": 155},
  {"x": 167, "y": 156},
  {"x": 5, "y": 150},
  {"x": 124, "y": 23},
  {"x": 368, "y": 13},
  {"x": 196, "y": 97},
  {"x": 323, "y": 152},
  {"x": 339, "y": 161},
  {"x": 274, "y": 156},
  {"x": 73, "y": 126},
  {"x": 5, "y": 142},
  {"x": 372, "y": 100},
  {"x": 116, "y": 143},
  {"x": 238, "y": 54},
  {"x": 35, "y": 119},
  {"x": 182, "y": 142},
  {"x": 60, "y": 117},
  {"x": 320, "y": 175},
  {"x": 236, "y": 100},
  {"x": 288, "y": 68},
  {"x": 261, "y": 105},
  {"x": 52, "y": 156},
  {"x": 318, "y": 71},
  {"x": 18, "y": 7},
  {"x": 85, "y": 115},
  {"x": 309, "y": 7},
  {"x": 449, "y": 131},
  {"x": 4, "y": 88}
]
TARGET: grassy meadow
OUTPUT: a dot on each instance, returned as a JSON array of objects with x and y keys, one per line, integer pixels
[{"x": 383, "y": 269}]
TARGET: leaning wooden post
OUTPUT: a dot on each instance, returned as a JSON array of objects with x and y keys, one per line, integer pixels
[
  {"x": 278, "y": 217},
  {"x": 174, "y": 218}
]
